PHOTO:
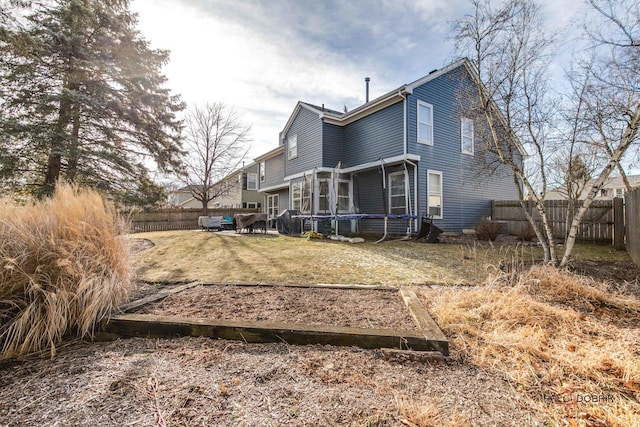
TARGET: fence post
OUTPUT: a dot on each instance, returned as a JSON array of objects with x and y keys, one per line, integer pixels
[{"x": 618, "y": 223}]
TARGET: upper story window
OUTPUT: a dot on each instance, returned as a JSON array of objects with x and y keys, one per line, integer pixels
[
  {"x": 466, "y": 132},
  {"x": 397, "y": 193},
  {"x": 262, "y": 172},
  {"x": 252, "y": 181},
  {"x": 425, "y": 123},
  {"x": 292, "y": 143}
]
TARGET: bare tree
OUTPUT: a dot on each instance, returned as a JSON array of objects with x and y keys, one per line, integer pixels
[
  {"x": 510, "y": 51},
  {"x": 216, "y": 145},
  {"x": 611, "y": 94}
]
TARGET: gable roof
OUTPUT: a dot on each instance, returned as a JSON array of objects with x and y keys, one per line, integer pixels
[
  {"x": 381, "y": 102},
  {"x": 269, "y": 154}
]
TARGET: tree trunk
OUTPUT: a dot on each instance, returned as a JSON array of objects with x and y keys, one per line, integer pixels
[
  {"x": 629, "y": 135},
  {"x": 205, "y": 207},
  {"x": 74, "y": 145},
  {"x": 54, "y": 163},
  {"x": 536, "y": 229}
]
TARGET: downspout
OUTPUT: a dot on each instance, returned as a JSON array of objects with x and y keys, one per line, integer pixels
[
  {"x": 415, "y": 191},
  {"x": 384, "y": 200},
  {"x": 312, "y": 200},
  {"x": 335, "y": 184},
  {"x": 405, "y": 147},
  {"x": 407, "y": 196}
]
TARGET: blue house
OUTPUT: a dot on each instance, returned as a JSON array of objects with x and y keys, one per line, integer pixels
[{"x": 408, "y": 152}]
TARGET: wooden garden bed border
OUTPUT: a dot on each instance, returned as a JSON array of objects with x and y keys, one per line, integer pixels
[{"x": 128, "y": 324}]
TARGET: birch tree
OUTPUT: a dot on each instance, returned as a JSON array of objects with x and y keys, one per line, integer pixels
[
  {"x": 509, "y": 50},
  {"x": 611, "y": 93}
]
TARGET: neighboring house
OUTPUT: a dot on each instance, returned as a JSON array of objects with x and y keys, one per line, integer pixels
[
  {"x": 410, "y": 151},
  {"x": 182, "y": 198},
  {"x": 612, "y": 187},
  {"x": 237, "y": 190}
]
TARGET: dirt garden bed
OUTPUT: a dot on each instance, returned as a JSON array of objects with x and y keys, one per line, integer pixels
[
  {"x": 363, "y": 308},
  {"x": 344, "y": 315}
]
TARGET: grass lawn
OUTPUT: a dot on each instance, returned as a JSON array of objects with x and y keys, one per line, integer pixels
[
  {"x": 259, "y": 258},
  {"x": 271, "y": 258}
]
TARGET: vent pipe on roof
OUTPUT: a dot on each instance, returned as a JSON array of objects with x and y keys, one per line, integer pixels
[{"x": 366, "y": 82}]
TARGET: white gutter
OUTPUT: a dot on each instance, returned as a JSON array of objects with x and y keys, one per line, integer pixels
[
  {"x": 273, "y": 187},
  {"x": 307, "y": 172},
  {"x": 376, "y": 164}
]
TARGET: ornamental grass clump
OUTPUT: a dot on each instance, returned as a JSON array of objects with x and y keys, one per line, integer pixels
[
  {"x": 64, "y": 265},
  {"x": 570, "y": 343}
]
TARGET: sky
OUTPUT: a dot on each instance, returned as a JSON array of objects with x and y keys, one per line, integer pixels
[{"x": 263, "y": 56}]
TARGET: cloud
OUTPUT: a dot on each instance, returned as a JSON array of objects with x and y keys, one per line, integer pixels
[{"x": 262, "y": 56}]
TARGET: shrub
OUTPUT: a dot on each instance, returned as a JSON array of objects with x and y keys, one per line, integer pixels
[
  {"x": 64, "y": 265},
  {"x": 488, "y": 230},
  {"x": 527, "y": 234}
]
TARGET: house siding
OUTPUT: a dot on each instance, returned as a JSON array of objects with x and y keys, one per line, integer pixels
[
  {"x": 274, "y": 171},
  {"x": 308, "y": 126},
  {"x": 333, "y": 145},
  {"x": 370, "y": 197},
  {"x": 467, "y": 188},
  {"x": 372, "y": 137},
  {"x": 251, "y": 195}
]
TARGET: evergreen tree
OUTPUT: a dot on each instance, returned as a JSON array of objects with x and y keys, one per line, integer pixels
[{"x": 82, "y": 99}]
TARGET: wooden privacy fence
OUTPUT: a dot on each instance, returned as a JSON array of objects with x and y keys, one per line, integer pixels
[
  {"x": 599, "y": 224},
  {"x": 632, "y": 211},
  {"x": 173, "y": 219}
]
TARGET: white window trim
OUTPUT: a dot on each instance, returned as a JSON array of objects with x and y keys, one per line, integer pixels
[
  {"x": 332, "y": 198},
  {"x": 318, "y": 196},
  {"x": 302, "y": 187},
  {"x": 273, "y": 207},
  {"x": 262, "y": 170},
  {"x": 405, "y": 191},
  {"x": 293, "y": 198},
  {"x": 434, "y": 172},
  {"x": 424, "y": 141},
  {"x": 252, "y": 205},
  {"x": 462, "y": 136},
  {"x": 292, "y": 144},
  {"x": 348, "y": 196},
  {"x": 255, "y": 180}
]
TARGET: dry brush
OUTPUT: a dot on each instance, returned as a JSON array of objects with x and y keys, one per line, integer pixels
[{"x": 64, "y": 265}]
